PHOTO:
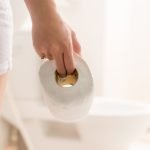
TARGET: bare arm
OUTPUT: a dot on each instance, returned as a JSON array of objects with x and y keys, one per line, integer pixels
[{"x": 52, "y": 37}]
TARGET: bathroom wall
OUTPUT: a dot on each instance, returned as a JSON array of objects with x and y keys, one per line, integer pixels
[
  {"x": 117, "y": 47},
  {"x": 140, "y": 51},
  {"x": 127, "y": 49}
]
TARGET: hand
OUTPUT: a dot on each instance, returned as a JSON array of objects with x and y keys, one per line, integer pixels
[{"x": 54, "y": 39}]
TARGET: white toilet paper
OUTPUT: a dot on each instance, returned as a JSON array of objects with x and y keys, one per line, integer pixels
[{"x": 67, "y": 103}]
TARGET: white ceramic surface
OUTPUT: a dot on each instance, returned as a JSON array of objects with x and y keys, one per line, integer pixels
[
  {"x": 111, "y": 125},
  {"x": 114, "y": 124}
]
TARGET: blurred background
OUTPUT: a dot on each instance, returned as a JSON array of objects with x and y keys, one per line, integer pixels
[{"x": 115, "y": 40}]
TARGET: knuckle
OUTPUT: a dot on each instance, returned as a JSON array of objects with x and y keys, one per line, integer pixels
[
  {"x": 67, "y": 45},
  {"x": 54, "y": 49},
  {"x": 57, "y": 51}
]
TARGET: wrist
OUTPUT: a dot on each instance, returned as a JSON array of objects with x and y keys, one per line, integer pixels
[{"x": 41, "y": 10}]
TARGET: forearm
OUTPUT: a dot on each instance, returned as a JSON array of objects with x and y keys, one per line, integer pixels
[
  {"x": 41, "y": 9},
  {"x": 52, "y": 37}
]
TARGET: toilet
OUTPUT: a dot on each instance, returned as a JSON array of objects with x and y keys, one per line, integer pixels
[{"x": 114, "y": 124}]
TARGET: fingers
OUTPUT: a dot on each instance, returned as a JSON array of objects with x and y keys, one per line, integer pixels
[
  {"x": 41, "y": 52},
  {"x": 57, "y": 55},
  {"x": 63, "y": 55},
  {"x": 68, "y": 59},
  {"x": 76, "y": 45},
  {"x": 50, "y": 57},
  {"x": 63, "y": 59},
  {"x": 59, "y": 60},
  {"x": 45, "y": 54}
]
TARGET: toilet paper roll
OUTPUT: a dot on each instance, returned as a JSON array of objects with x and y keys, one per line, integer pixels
[{"x": 67, "y": 102}]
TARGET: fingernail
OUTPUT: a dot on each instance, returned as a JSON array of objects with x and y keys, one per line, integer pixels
[
  {"x": 61, "y": 75},
  {"x": 72, "y": 72}
]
